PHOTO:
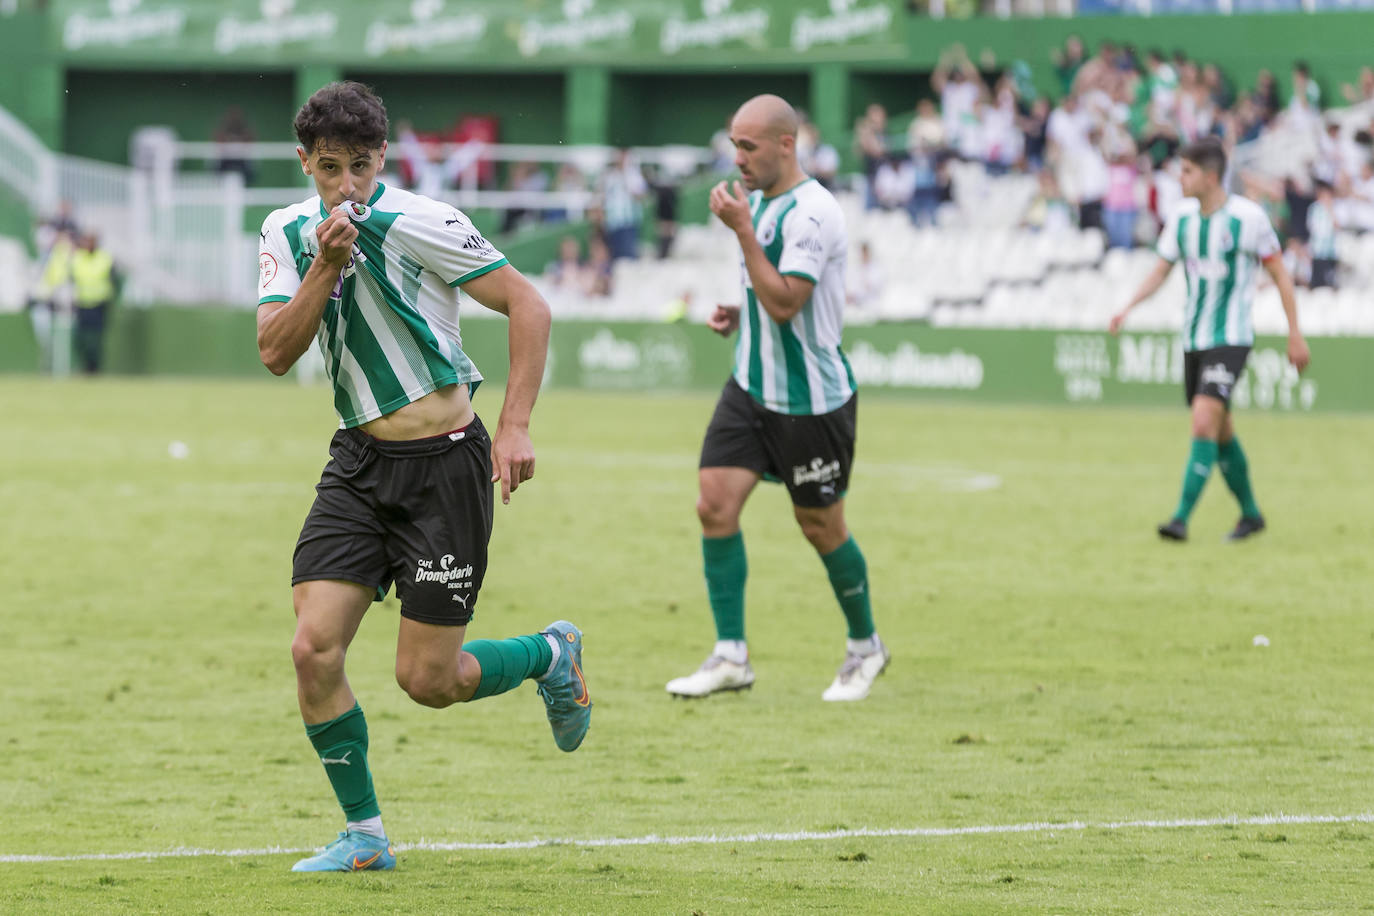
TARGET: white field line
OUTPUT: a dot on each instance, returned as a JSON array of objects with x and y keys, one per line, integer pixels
[{"x": 1265, "y": 820}]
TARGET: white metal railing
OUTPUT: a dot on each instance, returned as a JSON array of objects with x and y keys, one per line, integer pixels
[{"x": 178, "y": 239}]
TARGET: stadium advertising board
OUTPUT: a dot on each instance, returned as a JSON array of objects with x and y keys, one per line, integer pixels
[
  {"x": 467, "y": 32},
  {"x": 898, "y": 360}
]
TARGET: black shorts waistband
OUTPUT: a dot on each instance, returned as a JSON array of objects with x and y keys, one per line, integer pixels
[{"x": 359, "y": 442}]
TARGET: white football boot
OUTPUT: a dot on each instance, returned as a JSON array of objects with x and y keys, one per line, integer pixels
[
  {"x": 857, "y": 674},
  {"x": 717, "y": 673}
]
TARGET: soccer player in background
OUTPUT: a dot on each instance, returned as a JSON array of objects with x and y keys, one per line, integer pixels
[
  {"x": 1222, "y": 239},
  {"x": 374, "y": 274},
  {"x": 789, "y": 409}
]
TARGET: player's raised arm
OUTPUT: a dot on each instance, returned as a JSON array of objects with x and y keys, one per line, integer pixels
[
  {"x": 1148, "y": 288},
  {"x": 506, "y": 290},
  {"x": 286, "y": 329},
  {"x": 1298, "y": 353},
  {"x": 782, "y": 297}
]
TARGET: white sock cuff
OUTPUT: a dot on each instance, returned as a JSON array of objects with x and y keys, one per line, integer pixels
[
  {"x": 862, "y": 646},
  {"x": 732, "y": 650},
  {"x": 372, "y": 826}
]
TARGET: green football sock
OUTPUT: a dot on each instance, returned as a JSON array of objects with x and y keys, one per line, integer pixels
[
  {"x": 849, "y": 578},
  {"x": 1200, "y": 460},
  {"x": 507, "y": 662},
  {"x": 342, "y": 746},
  {"x": 726, "y": 569},
  {"x": 1236, "y": 472}
]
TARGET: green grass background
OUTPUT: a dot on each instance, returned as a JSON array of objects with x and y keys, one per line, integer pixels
[{"x": 1052, "y": 661}]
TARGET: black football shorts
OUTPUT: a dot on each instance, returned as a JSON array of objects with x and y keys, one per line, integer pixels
[
  {"x": 1213, "y": 372},
  {"x": 810, "y": 454},
  {"x": 417, "y": 513}
]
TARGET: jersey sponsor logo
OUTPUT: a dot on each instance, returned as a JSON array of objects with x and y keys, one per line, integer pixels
[
  {"x": 267, "y": 267},
  {"x": 1209, "y": 270},
  {"x": 475, "y": 242},
  {"x": 812, "y": 245},
  {"x": 819, "y": 471}
]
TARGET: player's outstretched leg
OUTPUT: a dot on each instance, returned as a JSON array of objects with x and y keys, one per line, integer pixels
[
  {"x": 1201, "y": 456},
  {"x": 352, "y": 851},
  {"x": 726, "y": 567},
  {"x": 564, "y": 688},
  {"x": 1235, "y": 470}
]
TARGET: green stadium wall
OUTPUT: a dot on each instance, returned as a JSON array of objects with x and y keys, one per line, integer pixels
[
  {"x": 87, "y": 99},
  {"x": 898, "y": 360}
]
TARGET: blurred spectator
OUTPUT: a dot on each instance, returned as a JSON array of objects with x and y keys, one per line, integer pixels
[
  {"x": 566, "y": 273},
  {"x": 723, "y": 149},
  {"x": 95, "y": 286},
  {"x": 1090, "y": 186},
  {"x": 665, "y": 193},
  {"x": 596, "y": 279},
  {"x": 1266, "y": 95},
  {"x": 1362, "y": 91},
  {"x": 1049, "y": 211},
  {"x": 867, "y": 279},
  {"x": 1321, "y": 236},
  {"x": 1162, "y": 85},
  {"x": 232, "y": 131},
  {"x": 926, "y": 129},
  {"x": 525, "y": 177},
  {"x": 1119, "y": 204},
  {"x": 1034, "y": 126},
  {"x": 870, "y": 141},
  {"x": 817, "y": 158},
  {"x": 925, "y": 179},
  {"x": 56, "y": 239},
  {"x": 894, "y": 183},
  {"x": 423, "y": 166},
  {"x": 622, "y": 191},
  {"x": 960, "y": 86},
  {"x": 569, "y": 180},
  {"x": 1068, "y": 62}
]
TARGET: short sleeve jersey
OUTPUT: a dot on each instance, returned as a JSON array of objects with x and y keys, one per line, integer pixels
[
  {"x": 797, "y": 366},
  {"x": 389, "y": 333},
  {"x": 1221, "y": 256}
]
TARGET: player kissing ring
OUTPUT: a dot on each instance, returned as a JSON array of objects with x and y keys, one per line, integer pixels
[{"x": 355, "y": 211}]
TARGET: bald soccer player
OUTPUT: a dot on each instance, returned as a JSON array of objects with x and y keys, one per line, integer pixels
[{"x": 789, "y": 409}]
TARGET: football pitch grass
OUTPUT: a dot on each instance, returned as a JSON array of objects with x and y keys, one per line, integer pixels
[{"x": 1076, "y": 718}]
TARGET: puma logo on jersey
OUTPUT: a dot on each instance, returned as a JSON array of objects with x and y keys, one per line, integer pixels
[{"x": 452, "y": 222}]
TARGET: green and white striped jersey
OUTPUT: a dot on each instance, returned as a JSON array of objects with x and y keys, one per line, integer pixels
[
  {"x": 797, "y": 367},
  {"x": 1221, "y": 255},
  {"x": 389, "y": 333}
]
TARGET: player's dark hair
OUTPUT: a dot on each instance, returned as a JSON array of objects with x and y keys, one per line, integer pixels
[
  {"x": 1207, "y": 154},
  {"x": 346, "y": 114}
]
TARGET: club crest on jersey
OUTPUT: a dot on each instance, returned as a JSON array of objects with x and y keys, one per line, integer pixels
[
  {"x": 356, "y": 211},
  {"x": 767, "y": 232}
]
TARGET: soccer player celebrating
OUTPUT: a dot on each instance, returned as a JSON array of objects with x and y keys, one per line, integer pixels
[
  {"x": 1221, "y": 239},
  {"x": 789, "y": 409},
  {"x": 374, "y": 273}
]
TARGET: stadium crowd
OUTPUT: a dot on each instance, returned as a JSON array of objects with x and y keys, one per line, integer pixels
[{"x": 1104, "y": 149}]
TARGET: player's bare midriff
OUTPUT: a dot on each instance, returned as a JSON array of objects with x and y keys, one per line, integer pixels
[{"x": 434, "y": 414}]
